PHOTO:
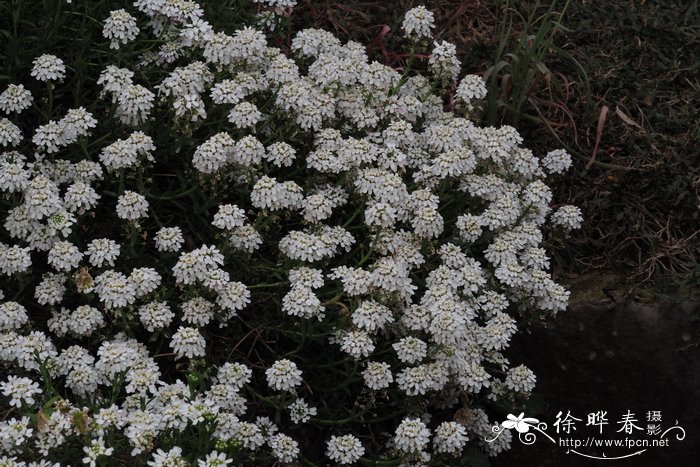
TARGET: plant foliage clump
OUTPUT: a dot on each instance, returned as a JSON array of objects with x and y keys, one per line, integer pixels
[{"x": 242, "y": 253}]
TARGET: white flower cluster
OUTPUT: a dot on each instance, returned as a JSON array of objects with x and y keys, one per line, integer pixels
[
  {"x": 392, "y": 242},
  {"x": 120, "y": 27},
  {"x": 472, "y": 88},
  {"x": 418, "y": 23},
  {"x": 15, "y": 98},
  {"x": 125, "y": 153},
  {"x": 48, "y": 67},
  {"x": 134, "y": 102}
]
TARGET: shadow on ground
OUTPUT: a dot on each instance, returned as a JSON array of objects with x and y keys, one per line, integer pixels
[{"x": 600, "y": 356}]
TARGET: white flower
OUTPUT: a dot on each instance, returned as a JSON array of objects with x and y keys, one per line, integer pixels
[
  {"x": 13, "y": 436},
  {"x": 411, "y": 349},
  {"x": 248, "y": 42},
  {"x": 214, "y": 153},
  {"x": 103, "y": 250},
  {"x": 280, "y": 154},
  {"x": 227, "y": 92},
  {"x": 114, "y": 289},
  {"x": 306, "y": 277},
  {"x": 194, "y": 266},
  {"x": 13, "y": 176},
  {"x": 9, "y": 133},
  {"x": 443, "y": 61},
  {"x": 172, "y": 458},
  {"x": 371, "y": 316},
  {"x": 556, "y": 298},
  {"x": 283, "y": 447},
  {"x": 188, "y": 342},
  {"x": 189, "y": 80},
  {"x": 96, "y": 450},
  {"x": 219, "y": 49},
  {"x": 76, "y": 124},
  {"x": 233, "y": 296},
  {"x": 144, "y": 280},
  {"x": 246, "y": 238},
  {"x": 278, "y": 3},
  {"x": 214, "y": 459},
  {"x": 268, "y": 193},
  {"x": 169, "y": 239},
  {"x": 114, "y": 79},
  {"x": 50, "y": 137},
  {"x": 58, "y": 323},
  {"x": 20, "y": 390},
  {"x": 450, "y": 437},
  {"x": 197, "y": 32},
  {"x": 216, "y": 278},
  {"x": 283, "y": 375},
  {"x": 15, "y": 98},
  {"x": 190, "y": 105},
  {"x": 418, "y": 23},
  {"x": 357, "y": 343},
  {"x": 64, "y": 256},
  {"x": 349, "y": 195},
  {"x": 233, "y": 374},
  {"x": 85, "y": 320},
  {"x": 51, "y": 289},
  {"x": 87, "y": 171},
  {"x": 412, "y": 435},
  {"x": 512, "y": 274},
  {"x": 229, "y": 216},
  {"x": 132, "y": 206},
  {"x": 134, "y": 104},
  {"x": 355, "y": 281},
  {"x": 156, "y": 315},
  {"x": 381, "y": 215},
  {"x": 377, "y": 375},
  {"x": 80, "y": 195},
  {"x": 471, "y": 88},
  {"x": 557, "y": 161},
  {"x": 312, "y": 247},
  {"x": 120, "y": 27},
  {"x": 311, "y": 42},
  {"x": 125, "y": 153},
  {"x": 474, "y": 377},
  {"x": 244, "y": 115},
  {"x": 27, "y": 347},
  {"x": 301, "y": 412},
  {"x": 197, "y": 311},
  {"x": 520, "y": 379},
  {"x": 415, "y": 380},
  {"x": 344, "y": 449},
  {"x": 567, "y": 216},
  {"x": 302, "y": 302},
  {"x": 250, "y": 434},
  {"x": 14, "y": 259},
  {"x": 48, "y": 67},
  {"x": 247, "y": 151}
]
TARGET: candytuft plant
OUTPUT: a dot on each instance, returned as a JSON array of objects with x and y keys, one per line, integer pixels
[{"x": 239, "y": 254}]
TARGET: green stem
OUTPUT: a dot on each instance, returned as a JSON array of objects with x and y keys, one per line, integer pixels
[
  {"x": 261, "y": 397},
  {"x": 373, "y": 245},
  {"x": 365, "y": 461},
  {"x": 49, "y": 91},
  {"x": 263, "y": 286}
]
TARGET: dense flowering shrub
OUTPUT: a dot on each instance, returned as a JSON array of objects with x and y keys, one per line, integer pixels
[{"x": 248, "y": 254}]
